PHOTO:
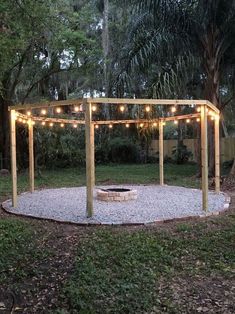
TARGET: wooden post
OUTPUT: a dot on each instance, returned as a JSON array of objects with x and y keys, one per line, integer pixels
[
  {"x": 13, "y": 158},
  {"x": 217, "y": 154},
  {"x": 31, "y": 156},
  {"x": 161, "y": 153},
  {"x": 204, "y": 157},
  {"x": 89, "y": 130}
]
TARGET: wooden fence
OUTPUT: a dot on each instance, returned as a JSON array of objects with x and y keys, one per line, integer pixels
[{"x": 227, "y": 148}]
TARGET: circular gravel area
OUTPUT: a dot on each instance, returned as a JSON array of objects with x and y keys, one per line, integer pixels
[{"x": 154, "y": 203}]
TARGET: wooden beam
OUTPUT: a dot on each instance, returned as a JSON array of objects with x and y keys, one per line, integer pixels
[
  {"x": 31, "y": 156},
  {"x": 212, "y": 107},
  {"x": 68, "y": 102},
  {"x": 161, "y": 153},
  {"x": 204, "y": 157},
  {"x": 217, "y": 154},
  {"x": 181, "y": 102},
  {"x": 89, "y": 131},
  {"x": 13, "y": 157},
  {"x": 182, "y": 117}
]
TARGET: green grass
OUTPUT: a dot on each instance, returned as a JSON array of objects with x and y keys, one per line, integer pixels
[
  {"x": 136, "y": 174},
  {"x": 18, "y": 250},
  {"x": 121, "y": 272}
]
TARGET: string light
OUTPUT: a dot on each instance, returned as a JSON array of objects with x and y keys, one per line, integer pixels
[
  {"x": 141, "y": 125},
  {"x": 43, "y": 123},
  {"x": 58, "y": 110},
  {"x": 76, "y": 108},
  {"x": 51, "y": 124},
  {"x": 28, "y": 113},
  {"x": 154, "y": 124},
  {"x": 198, "y": 109},
  {"x": 62, "y": 125},
  {"x": 212, "y": 118},
  {"x": 127, "y": 125},
  {"x": 33, "y": 122},
  {"x": 20, "y": 119},
  {"x": 176, "y": 121},
  {"x": 188, "y": 120},
  {"x": 110, "y": 126},
  {"x": 122, "y": 108},
  {"x": 198, "y": 120},
  {"x": 43, "y": 111},
  {"x": 173, "y": 109},
  {"x": 97, "y": 126},
  {"x": 75, "y": 125},
  {"x": 94, "y": 108},
  {"x": 163, "y": 123},
  {"x": 147, "y": 108},
  {"x": 24, "y": 121}
]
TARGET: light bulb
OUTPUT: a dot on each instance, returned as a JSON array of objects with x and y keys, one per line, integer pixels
[
  {"x": 76, "y": 108},
  {"x": 122, "y": 108},
  {"x": 198, "y": 109},
  {"x": 110, "y": 126},
  {"x": 28, "y": 113},
  {"x": 43, "y": 111},
  {"x": 147, "y": 108},
  {"x": 173, "y": 109},
  {"x": 94, "y": 108},
  {"x": 33, "y": 122},
  {"x": 75, "y": 125},
  {"x": 97, "y": 126},
  {"x": 127, "y": 125},
  {"x": 62, "y": 125},
  {"x": 187, "y": 120},
  {"x": 20, "y": 120},
  {"x": 43, "y": 123},
  {"x": 141, "y": 125},
  {"x": 51, "y": 124},
  {"x": 176, "y": 122},
  {"x": 155, "y": 124},
  {"x": 58, "y": 110},
  {"x": 198, "y": 120},
  {"x": 163, "y": 123}
]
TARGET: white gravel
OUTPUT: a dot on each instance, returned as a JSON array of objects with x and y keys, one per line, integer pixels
[{"x": 154, "y": 203}]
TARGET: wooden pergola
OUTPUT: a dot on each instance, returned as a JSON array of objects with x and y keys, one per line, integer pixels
[{"x": 203, "y": 110}]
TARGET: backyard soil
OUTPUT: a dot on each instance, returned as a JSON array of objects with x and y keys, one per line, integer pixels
[{"x": 42, "y": 292}]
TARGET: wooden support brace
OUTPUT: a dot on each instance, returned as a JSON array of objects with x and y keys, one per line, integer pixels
[
  {"x": 204, "y": 157},
  {"x": 13, "y": 157},
  {"x": 161, "y": 153},
  {"x": 31, "y": 156},
  {"x": 90, "y": 172},
  {"x": 217, "y": 154}
]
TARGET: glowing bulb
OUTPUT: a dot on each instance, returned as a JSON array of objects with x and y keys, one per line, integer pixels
[
  {"x": 173, "y": 109},
  {"x": 43, "y": 123},
  {"x": 141, "y": 125},
  {"x": 176, "y": 122},
  {"x": 51, "y": 124},
  {"x": 96, "y": 126},
  {"x": 198, "y": 109},
  {"x": 188, "y": 121},
  {"x": 94, "y": 108},
  {"x": 122, "y": 108},
  {"x": 212, "y": 118},
  {"x": 62, "y": 125},
  {"x": 20, "y": 120},
  {"x": 110, "y": 126},
  {"x": 24, "y": 121},
  {"x": 76, "y": 108},
  {"x": 163, "y": 123},
  {"x": 198, "y": 120},
  {"x": 127, "y": 125},
  {"x": 28, "y": 113},
  {"x": 217, "y": 116},
  {"x": 75, "y": 125},
  {"x": 147, "y": 108},
  {"x": 155, "y": 124},
  {"x": 43, "y": 111},
  {"x": 58, "y": 110},
  {"x": 33, "y": 122}
]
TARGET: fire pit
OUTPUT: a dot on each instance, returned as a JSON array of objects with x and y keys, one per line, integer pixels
[{"x": 116, "y": 195}]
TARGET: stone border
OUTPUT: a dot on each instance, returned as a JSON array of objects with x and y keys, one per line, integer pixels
[
  {"x": 112, "y": 196},
  {"x": 90, "y": 224}
]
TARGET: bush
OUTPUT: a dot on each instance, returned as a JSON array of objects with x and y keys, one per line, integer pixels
[
  {"x": 122, "y": 150},
  {"x": 181, "y": 154}
]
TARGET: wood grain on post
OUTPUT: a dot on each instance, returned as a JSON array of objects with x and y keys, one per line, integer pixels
[
  {"x": 161, "y": 153},
  {"x": 31, "y": 156},
  {"x": 89, "y": 130},
  {"x": 204, "y": 157},
  {"x": 217, "y": 154},
  {"x": 13, "y": 158}
]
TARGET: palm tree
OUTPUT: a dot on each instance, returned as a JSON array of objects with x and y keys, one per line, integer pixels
[{"x": 167, "y": 29}]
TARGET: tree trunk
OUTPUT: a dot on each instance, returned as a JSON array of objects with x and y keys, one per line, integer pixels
[
  {"x": 232, "y": 172},
  {"x": 5, "y": 133}
]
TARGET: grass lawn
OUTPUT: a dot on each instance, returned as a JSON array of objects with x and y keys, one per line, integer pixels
[
  {"x": 180, "y": 267},
  {"x": 136, "y": 174}
]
